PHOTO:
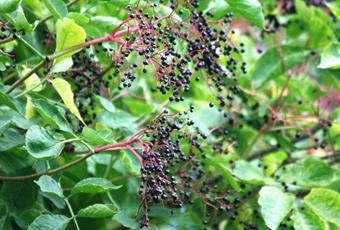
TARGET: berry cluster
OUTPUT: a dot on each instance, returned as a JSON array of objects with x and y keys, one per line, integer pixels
[{"x": 172, "y": 153}]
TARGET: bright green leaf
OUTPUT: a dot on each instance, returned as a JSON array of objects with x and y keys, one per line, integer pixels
[
  {"x": 330, "y": 57},
  {"x": 250, "y": 173},
  {"x": 306, "y": 219},
  {"x": 64, "y": 90},
  {"x": 249, "y": 9},
  {"x": 325, "y": 203},
  {"x": 275, "y": 205},
  {"x": 8, "y": 6},
  {"x": 310, "y": 171},
  {"x": 69, "y": 34}
]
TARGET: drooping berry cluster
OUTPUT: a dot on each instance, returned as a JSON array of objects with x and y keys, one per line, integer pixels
[{"x": 173, "y": 173}]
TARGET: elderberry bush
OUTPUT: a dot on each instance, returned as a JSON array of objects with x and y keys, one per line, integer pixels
[{"x": 169, "y": 114}]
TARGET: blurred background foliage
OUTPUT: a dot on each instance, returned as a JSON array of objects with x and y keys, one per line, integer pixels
[{"x": 292, "y": 52}]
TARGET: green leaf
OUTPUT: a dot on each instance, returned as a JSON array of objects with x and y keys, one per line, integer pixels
[
  {"x": 79, "y": 18},
  {"x": 330, "y": 57},
  {"x": 18, "y": 195},
  {"x": 100, "y": 25},
  {"x": 335, "y": 8},
  {"x": 224, "y": 172},
  {"x": 49, "y": 222},
  {"x": 69, "y": 34},
  {"x": 249, "y": 9},
  {"x": 8, "y": 6},
  {"x": 273, "y": 161},
  {"x": 271, "y": 65},
  {"x": 250, "y": 173},
  {"x": 311, "y": 172},
  {"x": 275, "y": 205},
  {"x": 106, "y": 104},
  {"x": 57, "y": 8},
  {"x": 63, "y": 65},
  {"x": 93, "y": 185},
  {"x": 64, "y": 90},
  {"x": 118, "y": 120},
  {"x": 18, "y": 19},
  {"x": 7, "y": 100},
  {"x": 219, "y": 8},
  {"x": 42, "y": 144},
  {"x": 48, "y": 185},
  {"x": 11, "y": 139},
  {"x": 305, "y": 219},
  {"x": 51, "y": 114},
  {"x": 94, "y": 138},
  {"x": 325, "y": 203},
  {"x": 316, "y": 22},
  {"x": 124, "y": 219},
  {"x": 5, "y": 122},
  {"x": 98, "y": 211}
]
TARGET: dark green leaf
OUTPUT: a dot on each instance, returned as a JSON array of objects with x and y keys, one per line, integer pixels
[
  {"x": 49, "y": 222},
  {"x": 93, "y": 185},
  {"x": 97, "y": 211}
]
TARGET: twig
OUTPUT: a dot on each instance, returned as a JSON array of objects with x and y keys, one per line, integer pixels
[{"x": 9, "y": 39}]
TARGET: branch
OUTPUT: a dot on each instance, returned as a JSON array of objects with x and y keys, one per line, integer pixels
[
  {"x": 115, "y": 146},
  {"x": 9, "y": 39},
  {"x": 49, "y": 172},
  {"x": 262, "y": 152}
]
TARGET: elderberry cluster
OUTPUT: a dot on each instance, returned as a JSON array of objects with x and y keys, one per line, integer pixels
[{"x": 173, "y": 154}]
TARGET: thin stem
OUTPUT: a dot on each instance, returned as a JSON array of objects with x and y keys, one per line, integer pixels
[
  {"x": 34, "y": 87},
  {"x": 26, "y": 76},
  {"x": 9, "y": 39},
  {"x": 72, "y": 213},
  {"x": 112, "y": 200},
  {"x": 49, "y": 172},
  {"x": 31, "y": 47}
]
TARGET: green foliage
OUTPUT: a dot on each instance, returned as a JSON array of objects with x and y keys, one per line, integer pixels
[
  {"x": 249, "y": 9},
  {"x": 325, "y": 203},
  {"x": 197, "y": 114},
  {"x": 48, "y": 221},
  {"x": 7, "y": 6},
  {"x": 275, "y": 205}
]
